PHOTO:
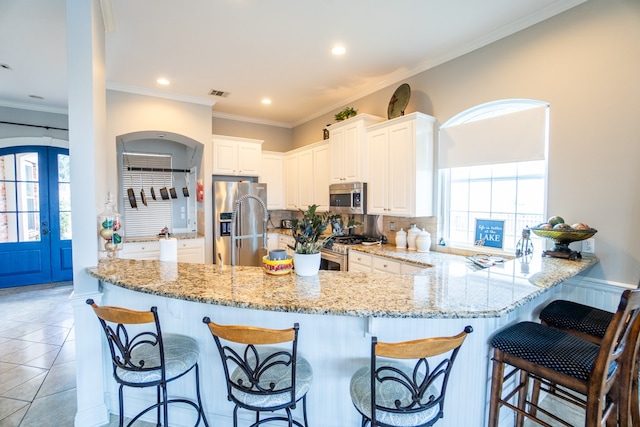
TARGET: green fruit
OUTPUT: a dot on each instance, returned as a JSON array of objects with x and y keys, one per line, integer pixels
[
  {"x": 555, "y": 220},
  {"x": 562, "y": 226}
]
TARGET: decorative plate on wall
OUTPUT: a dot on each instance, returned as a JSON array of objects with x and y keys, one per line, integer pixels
[{"x": 399, "y": 101}]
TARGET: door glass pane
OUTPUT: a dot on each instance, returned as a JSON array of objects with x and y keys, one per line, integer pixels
[
  {"x": 28, "y": 196},
  {"x": 65, "y": 225},
  {"x": 7, "y": 196},
  {"x": 29, "y": 227},
  {"x": 8, "y": 227},
  {"x": 64, "y": 196},
  {"x": 27, "y": 166},
  {"x": 7, "y": 167}
]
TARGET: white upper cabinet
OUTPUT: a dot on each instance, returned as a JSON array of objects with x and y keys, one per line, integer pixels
[
  {"x": 307, "y": 178},
  {"x": 348, "y": 149},
  {"x": 236, "y": 156},
  {"x": 401, "y": 166},
  {"x": 272, "y": 174}
]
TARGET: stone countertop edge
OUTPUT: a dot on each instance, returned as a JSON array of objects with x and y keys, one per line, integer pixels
[{"x": 451, "y": 288}]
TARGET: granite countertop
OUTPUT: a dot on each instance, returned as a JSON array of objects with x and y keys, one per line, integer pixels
[{"x": 451, "y": 288}]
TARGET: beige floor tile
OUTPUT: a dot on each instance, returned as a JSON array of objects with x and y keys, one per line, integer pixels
[
  {"x": 15, "y": 418},
  {"x": 27, "y": 390},
  {"x": 55, "y": 410},
  {"x": 8, "y": 407},
  {"x": 30, "y": 351},
  {"x": 16, "y": 376},
  {"x": 61, "y": 377}
]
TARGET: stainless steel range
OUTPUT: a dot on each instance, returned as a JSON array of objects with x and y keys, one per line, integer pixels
[{"x": 336, "y": 257}]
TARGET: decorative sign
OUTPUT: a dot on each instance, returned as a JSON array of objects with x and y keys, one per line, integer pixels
[{"x": 489, "y": 232}]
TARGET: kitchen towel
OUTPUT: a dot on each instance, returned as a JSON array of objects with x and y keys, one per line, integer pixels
[{"x": 169, "y": 249}]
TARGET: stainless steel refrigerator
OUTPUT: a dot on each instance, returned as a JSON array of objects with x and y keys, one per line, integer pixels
[{"x": 250, "y": 221}]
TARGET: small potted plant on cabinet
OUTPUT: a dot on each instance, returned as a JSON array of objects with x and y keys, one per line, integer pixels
[
  {"x": 346, "y": 113},
  {"x": 310, "y": 234}
]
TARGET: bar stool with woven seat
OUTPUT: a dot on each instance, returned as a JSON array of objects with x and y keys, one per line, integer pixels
[
  {"x": 589, "y": 323},
  {"x": 568, "y": 366},
  {"x": 400, "y": 384},
  {"x": 144, "y": 357},
  {"x": 259, "y": 377}
]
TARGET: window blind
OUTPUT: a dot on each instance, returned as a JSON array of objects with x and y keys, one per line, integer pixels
[
  {"x": 151, "y": 219},
  {"x": 514, "y": 137}
]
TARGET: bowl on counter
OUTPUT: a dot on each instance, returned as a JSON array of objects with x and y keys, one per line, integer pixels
[{"x": 277, "y": 266}]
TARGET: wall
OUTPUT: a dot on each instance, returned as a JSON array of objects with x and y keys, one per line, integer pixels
[
  {"x": 34, "y": 118},
  {"x": 276, "y": 138},
  {"x": 585, "y": 63},
  {"x": 127, "y": 113}
]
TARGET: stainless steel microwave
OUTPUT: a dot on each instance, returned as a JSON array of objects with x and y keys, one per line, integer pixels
[{"x": 348, "y": 198}]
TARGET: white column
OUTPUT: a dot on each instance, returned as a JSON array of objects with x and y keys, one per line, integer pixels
[{"x": 87, "y": 117}]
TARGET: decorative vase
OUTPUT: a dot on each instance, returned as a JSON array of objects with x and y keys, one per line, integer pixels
[
  {"x": 412, "y": 234},
  {"x": 423, "y": 241},
  {"x": 109, "y": 224},
  {"x": 306, "y": 264}
]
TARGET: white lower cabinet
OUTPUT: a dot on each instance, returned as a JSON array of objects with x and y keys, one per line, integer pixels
[
  {"x": 284, "y": 242},
  {"x": 189, "y": 250},
  {"x": 365, "y": 263},
  {"x": 360, "y": 262},
  {"x": 385, "y": 265}
]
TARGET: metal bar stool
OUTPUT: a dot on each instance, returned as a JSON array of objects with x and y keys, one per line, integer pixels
[
  {"x": 589, "y": 323},
  {"x": 259, "y": 377},
  {"x": 147, "y": 358},
  {"x": 405, "y": 393},
  {"x": 576, "y": 370}
]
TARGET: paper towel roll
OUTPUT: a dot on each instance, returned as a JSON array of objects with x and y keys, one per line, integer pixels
[{"x": 169, "y": 249}]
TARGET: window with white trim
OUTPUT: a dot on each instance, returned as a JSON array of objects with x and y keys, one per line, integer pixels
[{"x": 492, "y": 165}]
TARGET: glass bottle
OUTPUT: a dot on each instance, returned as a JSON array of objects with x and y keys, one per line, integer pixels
[{"x": 109, "y": 223}]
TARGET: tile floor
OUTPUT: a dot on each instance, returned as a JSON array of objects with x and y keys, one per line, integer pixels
[{"x": 37, "y": 359}]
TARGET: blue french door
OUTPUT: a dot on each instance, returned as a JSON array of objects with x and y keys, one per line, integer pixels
[{"x": 35, "y": 216}]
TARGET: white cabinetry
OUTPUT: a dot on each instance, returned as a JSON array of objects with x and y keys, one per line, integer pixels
[
  {"x": 366, "y": 263},
  {"x": 306, "y": 179},
  {"x": 359, "y": 262},
  {"x": 401, "y": 166},
  {"x": 286, "y": 242},
  {"x": 272, "y": 241},
  {"x": 348, "y": 150},
  {"x": 189, "y": 250},
  {"x": 272, "y": 173},
  {"x": 236, "y": 156}
]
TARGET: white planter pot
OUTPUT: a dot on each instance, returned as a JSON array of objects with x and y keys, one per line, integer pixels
[{"x": 306, "y": 264}]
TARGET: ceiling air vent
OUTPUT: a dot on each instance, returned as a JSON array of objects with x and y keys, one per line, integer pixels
[{"x": 215, "y": 92}]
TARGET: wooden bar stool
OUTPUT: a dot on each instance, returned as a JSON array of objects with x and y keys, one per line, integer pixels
[
  {"x": 567, "y": 366},
  {"x": 590, "y": 323},
  {"x": 147, "y": 358},
  {"x": 399, "y": 388},
  {"x": 259, "y": 377}
]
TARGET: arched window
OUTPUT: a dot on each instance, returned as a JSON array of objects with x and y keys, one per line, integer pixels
[{"x": 492, "y": 162}]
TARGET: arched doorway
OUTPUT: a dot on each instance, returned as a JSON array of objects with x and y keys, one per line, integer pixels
[{"x": 35, "y": 215}]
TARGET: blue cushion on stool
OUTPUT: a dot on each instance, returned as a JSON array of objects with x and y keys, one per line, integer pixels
[
  {"x": 578, "y": 317},
  {"x": 550, "y": 348}
]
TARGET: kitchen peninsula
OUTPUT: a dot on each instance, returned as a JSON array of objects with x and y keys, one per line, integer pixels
[{"x": 338, "y": 312}]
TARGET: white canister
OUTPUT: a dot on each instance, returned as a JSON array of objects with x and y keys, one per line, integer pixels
[
  {"x": 423, "y": 241},
  {"x": 412, "y": 234},
  {"x": 401, "y": 239}
]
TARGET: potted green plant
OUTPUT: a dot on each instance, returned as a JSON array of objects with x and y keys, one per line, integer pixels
[
  {"x": 346, "y": 113},
  {"x": 310, "y": 234}
]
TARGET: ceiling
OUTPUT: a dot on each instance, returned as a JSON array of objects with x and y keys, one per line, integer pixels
[{"x": 252, "y": 49}]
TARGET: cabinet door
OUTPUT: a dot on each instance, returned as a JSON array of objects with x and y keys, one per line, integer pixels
[
  {"x": 386, "y": 265},
  {"x": 353, "y": 152},
  {"x": 272, "y": 174},
  {"x": 360, "y": 262},
  {"x": 291, "y": 181},
  {"x": 336, "y": 152},
  {"x": 305, "y": 179},
  {"x": 191, "y": 250},
  {"x": 224, "y": 157},
  {"x": 321, "y": 177},
  {"x": 401, "y": 175},
  {"x": 248, "y": 159},
  {"x": 140, "y": 251},
  {"x": 378, "y": 172}
]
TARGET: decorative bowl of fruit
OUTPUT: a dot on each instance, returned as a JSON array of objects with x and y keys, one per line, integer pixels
[{"x": 562, "y": 235}]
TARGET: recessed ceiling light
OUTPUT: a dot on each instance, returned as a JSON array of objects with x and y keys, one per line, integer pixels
[
  {"x": 163, "y": 81},
  {"x": 266, "y": 101},
  {"x": 338, "y": 50}
]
